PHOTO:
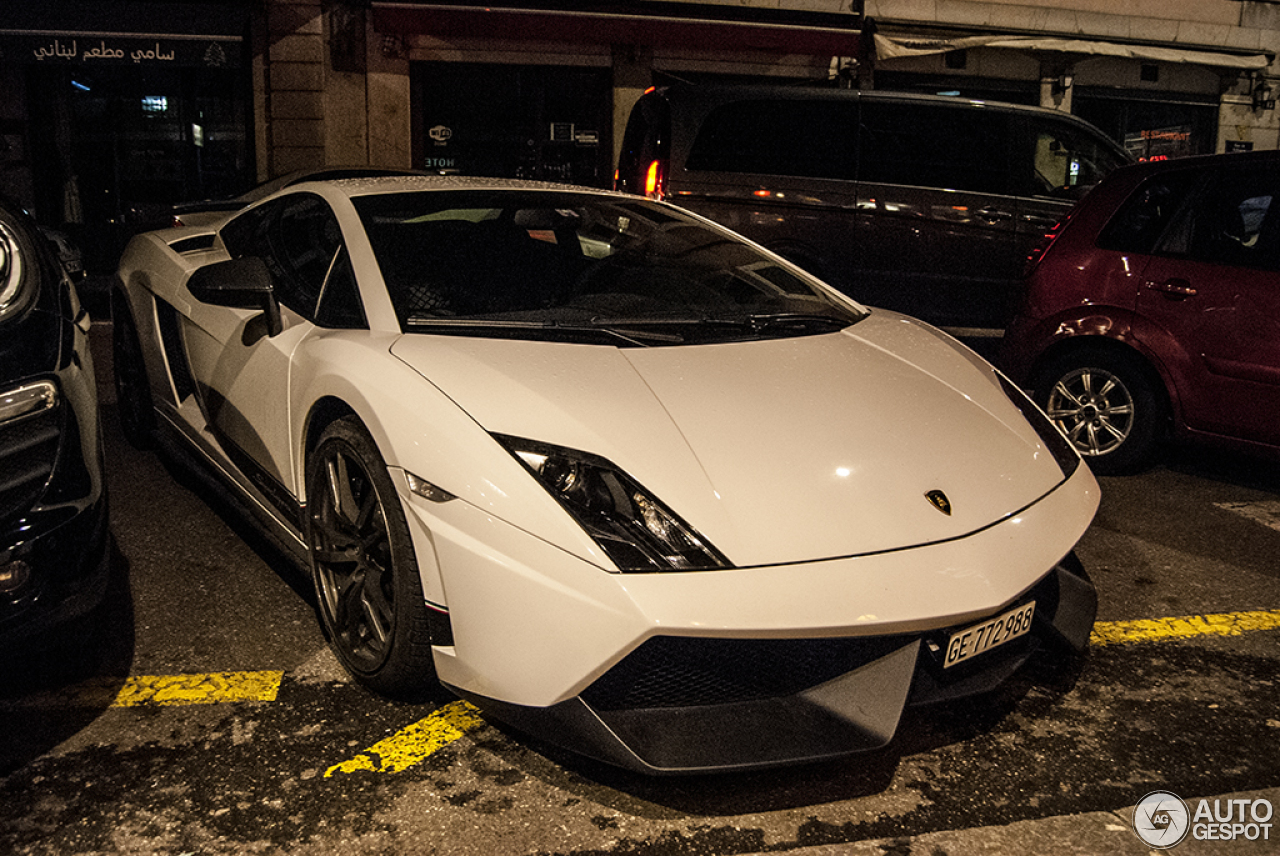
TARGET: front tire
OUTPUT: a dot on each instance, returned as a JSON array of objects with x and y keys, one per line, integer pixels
[
  {"x": 363, "y": 565},
  {"x": 1107, "y": 407}
]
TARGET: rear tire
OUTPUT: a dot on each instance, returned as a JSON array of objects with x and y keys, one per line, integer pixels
[
  {"x": 363, "y": 565},
  {"x": 133, "y": 390},
  {"x": 1107, "y": 407}
]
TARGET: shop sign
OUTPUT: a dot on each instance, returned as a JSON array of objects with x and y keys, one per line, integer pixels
[{"x": 97, "y": 50}]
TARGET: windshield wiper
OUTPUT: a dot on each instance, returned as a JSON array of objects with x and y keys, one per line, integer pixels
[
  {"x": 756, "y": 324},
  {"x": 797, "y": 320},
  {"x": 432, "y": 322}
]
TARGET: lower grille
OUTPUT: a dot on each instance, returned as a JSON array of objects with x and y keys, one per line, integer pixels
[
  {"x": 28, "y": 449},
  {"x": 677, "y": 671}
]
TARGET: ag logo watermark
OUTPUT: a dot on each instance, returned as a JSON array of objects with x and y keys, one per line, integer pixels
[{"x": 1162, "y": 820}]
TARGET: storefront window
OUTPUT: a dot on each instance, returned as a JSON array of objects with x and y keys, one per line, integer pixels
[
  {"x": 546, "y": 123},
  {"x": 132, "y": 141},
  {"x": 1151, "y": 129}
]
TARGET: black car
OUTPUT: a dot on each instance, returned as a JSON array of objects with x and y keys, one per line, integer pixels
[
  {"x": 926, "y": 205},
  {"x": 53, "y": 507}
]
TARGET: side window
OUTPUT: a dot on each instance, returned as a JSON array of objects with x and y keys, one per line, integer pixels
[
  {"x": 299, "y": 238},
  {"x": 1067, "y": 160},
  {"x": 1234, "y": 220},
  {"x": 780, "y": 137},
  {"x": 1139, "y": 223},
  {"x": 934, "y": 145},
  {"x": 304, "y": 243},
  {"x": 246, "y": 234}
]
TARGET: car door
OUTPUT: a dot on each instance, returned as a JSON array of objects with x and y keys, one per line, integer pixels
[
  {"x": 1209, "y": 302},
  {"x": 935, "y": 218},
  {"x": 242, "y": 373}
]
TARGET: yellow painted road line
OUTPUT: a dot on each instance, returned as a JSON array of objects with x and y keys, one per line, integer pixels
[
  {"x": 162, "y": 690},
  {"x": 209, "y": 688},
  {"x": 413, "y": 744},
  {"x": 1186, "y": 627},
  {"x": 453, "y": 721}
]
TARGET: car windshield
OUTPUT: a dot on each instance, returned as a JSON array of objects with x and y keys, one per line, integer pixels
[{"x": 583, "y": 267}]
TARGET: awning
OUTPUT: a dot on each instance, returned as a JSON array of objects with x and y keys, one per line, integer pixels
[
  {"x": 901, "y": 46},
  {"x": 599, "y": 27}
]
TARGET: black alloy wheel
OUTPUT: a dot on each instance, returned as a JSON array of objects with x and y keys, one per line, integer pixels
[{"x": 363, "y": 566}]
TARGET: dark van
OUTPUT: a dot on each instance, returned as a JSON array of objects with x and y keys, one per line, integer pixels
[{"x": 923, "y": 204}]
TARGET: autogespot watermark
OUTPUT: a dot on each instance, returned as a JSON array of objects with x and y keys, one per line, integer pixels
[{"x": 1162, "y": 820}]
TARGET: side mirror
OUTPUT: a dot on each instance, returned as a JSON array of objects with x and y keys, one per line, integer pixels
[{"x": 243, "y": 283}]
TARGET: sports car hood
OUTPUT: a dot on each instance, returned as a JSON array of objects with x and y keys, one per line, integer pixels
[{"x": 776, "y": 451}]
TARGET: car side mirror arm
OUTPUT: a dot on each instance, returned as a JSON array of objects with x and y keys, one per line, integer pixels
[{"x": 243, "y": 283}]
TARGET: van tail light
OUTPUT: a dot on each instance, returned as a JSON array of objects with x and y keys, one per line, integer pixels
[
  {"x": 655, "y": 182},
  {"x": 1042, "y": 247}
]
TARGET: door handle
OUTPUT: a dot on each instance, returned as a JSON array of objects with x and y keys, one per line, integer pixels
[
  {"x": 993, "y": 215},
  {"x": 1174, "y": 289}
]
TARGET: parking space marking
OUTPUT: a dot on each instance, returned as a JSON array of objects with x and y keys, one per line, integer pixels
[
  {"x": 162, "y": 690},
  {"x": 1266, "y": 512},
  {"x": 409, "y": 746},
  {"x": 415, "y": 743},
  {"x": 208, "y": 688},
  {"x": 1185, "y": 627}
]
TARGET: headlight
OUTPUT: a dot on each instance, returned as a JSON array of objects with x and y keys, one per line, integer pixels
[
  {"x": 1061, "y": 449},
  {"x": 630, "y": 524},
  {"x": 15, "y": 281}
]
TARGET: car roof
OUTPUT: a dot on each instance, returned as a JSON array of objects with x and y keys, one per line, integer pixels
[
  {"x": 403, "y": 183},
  {"x": 722, "y": 92}
]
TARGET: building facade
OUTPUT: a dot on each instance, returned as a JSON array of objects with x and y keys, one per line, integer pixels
[{"x": 116, "y": 106}]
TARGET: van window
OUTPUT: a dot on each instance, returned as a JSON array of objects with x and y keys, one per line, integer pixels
[
  {"x": 1067, "y": 160},
  {"x": 778, "y": 137},
  {"x": 934, "y": 145}
]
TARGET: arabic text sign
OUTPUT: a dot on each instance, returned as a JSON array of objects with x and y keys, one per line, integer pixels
[{"x": 97, "y": 50}]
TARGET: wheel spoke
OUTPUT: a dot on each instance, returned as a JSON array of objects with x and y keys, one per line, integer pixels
[
  {"x": 348, "y": 605},
  {"x": 377, "y": 609},
  {"x": 1063, "y": 391},
  {"x": 1117, "y": 434},
  {"x": 1090, "y": 438}
]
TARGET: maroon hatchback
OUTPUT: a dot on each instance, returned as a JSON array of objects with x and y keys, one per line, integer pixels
[{"x": 1153, "y": 311}]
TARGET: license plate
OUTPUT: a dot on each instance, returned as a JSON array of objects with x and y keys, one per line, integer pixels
[{"x": 980, "y": 638}]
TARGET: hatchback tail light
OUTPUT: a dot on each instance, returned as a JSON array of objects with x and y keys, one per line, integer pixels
[{"x": 1043, "y": 245}]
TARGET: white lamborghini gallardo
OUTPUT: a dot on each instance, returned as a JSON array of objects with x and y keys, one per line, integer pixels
[{"x": 609, "y": 471}]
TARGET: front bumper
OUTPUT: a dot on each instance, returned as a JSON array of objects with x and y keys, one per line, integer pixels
[
  {"x": 54, "y": 561},
  {"x": 746, "y": 667},
  {"x": 687, "y": 705}
]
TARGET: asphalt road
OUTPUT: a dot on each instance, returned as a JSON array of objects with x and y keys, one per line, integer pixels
[{"x": 208, "y": 717}]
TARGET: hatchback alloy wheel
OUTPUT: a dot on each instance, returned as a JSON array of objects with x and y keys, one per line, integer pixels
[
  {"x": 1094, "y": 409},
  {"x": 1106, "y": 406}
]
